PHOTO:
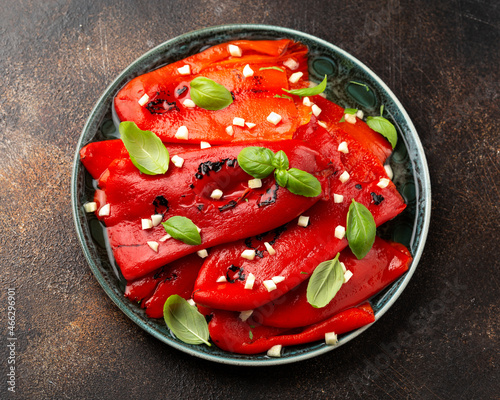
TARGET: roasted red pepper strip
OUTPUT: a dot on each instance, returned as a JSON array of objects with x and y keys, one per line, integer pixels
[
  {"x": 186, "y": 192},
  {"x": 384, "y": 263},
  {"x": 254, "y": 96},
  {"x": 298, "y": 250},
  {"x": 230, "y": 333},
  {"x": 97, "y": 156},
  {"x": 374, "y": 142}
]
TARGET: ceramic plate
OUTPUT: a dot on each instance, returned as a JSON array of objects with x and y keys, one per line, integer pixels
[{"x": 408, "y": 163}]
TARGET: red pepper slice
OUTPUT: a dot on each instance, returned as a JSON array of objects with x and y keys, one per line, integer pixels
[
  {"x": 154, "y": 289},
  {"x": 186, "y": 192},
  {"x": 374, "y": 142},
  {"x": 254, "y": 97},
  {"x": 230, "y": 333},
  {"x": 97, "y": 156},
  {"x": 299, "y": 250},
  {"x": 383, "y": 264}
]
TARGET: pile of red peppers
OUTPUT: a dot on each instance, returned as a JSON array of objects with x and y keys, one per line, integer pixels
[{"x": 244, "y": 217}]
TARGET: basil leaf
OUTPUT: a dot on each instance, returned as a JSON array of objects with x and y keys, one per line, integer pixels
[
  {"x": 281, "y": 177},
  {"x": 361, "y": 84},
  {"x": 280, "y": 160},
  {"x": 146, "y": 150},
  {"x": 384, "y": 127},
  {"x": 303, "y": 183},
  {"x": 360, "y": 229},
  {"x": 282, "y": 97},
  {"x": 309, "y": 91},
  {"x": 325, "y": 282},
  {"x": 183, "y": 229},
  {"x": 256, "y": 161},
  {"x": 276, "y": 68},
  {"x": 185, "y": 321},
  {"x": 209, "y": 95}
]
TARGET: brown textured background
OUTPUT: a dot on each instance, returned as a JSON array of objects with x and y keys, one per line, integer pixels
[{"x": 440, "y": 339}]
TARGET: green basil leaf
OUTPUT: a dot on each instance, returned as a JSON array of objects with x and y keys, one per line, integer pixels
[
  {"x": 282, "y": 97},
  {"x": 309, "y": 91},
  {"x": 280, "y": 160},
  {"x": 281, "y": 177},
  {"x": 385, "y": 128},
  {"x": 325, "y": 282},
  {"x": 361, "y": 84},
  {"x": 183, "y": 229},
  {"x": 360, "y": 229},
  {"x": 256, "y": 161},
  {"x": 146, "y": 150},
  {"x": 276, "y": 68},
  {"x": 303, "y": 183},
  {"x": 209, "y": 95},
  {"x": 185, "y": 321}
]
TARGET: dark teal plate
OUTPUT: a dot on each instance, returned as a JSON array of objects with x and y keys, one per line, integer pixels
[{"x": 408, "y": 163}]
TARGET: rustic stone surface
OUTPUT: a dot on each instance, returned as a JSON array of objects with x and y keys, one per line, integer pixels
[{"x": 440, "y": 339}]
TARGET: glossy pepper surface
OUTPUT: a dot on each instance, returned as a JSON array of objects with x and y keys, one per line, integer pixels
[
  {"x": 186, "y": 192},
  {"x": 254, "y": 97}
]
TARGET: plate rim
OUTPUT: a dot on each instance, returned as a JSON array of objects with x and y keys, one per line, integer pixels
[{"x": 286, "y": 32}]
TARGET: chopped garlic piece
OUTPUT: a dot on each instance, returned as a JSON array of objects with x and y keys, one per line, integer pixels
[
  {"x": 274, "y": 118},
  {"x": 105, "y": 210},
  {"x": 238, "y": 121},
  {"x": 339, "y": 232},
  {"x": 343, "y": 267},
  {"x": 202, "y": 253},
  {"x": 191, "y": 302},
  {"x": 229, "y": 130},
  {"x": 351, "y": 118},
  {"x": 144, "y": 100},
  {"x": 278, "y": 279},
  {"x": 248, "y": 254},
  {"x": 177, "y": 161},
  {"x": 275, "y": 351},
  {"x": 338, "y": 198},
  {"x": 270, "y": 249},
  {"x": 185, "y": 70},
  {"x": 294, "y": 78},
  {"x": 250, "y": 281},
  {"x": 221, "y": 279},
  {"x": 146, "y": 223},
  {"x": 270, "y": 285},
  {"x": 303, "y": 221},
  {"x": 182, "y": 133},
  {"x": 204, "y": 145},
  {"x": 343, "y": 148},
  {"x": 316, "y": 110},
  {"x": 247, "y": 71},
  {"x": 250, "y": 125},
  {"x": 234, "y": 50},
  {"x": 344, "y": 177},
  {"x": 165, "y": 238},
  {"x": 360, "y": 114},
  {"x": 383, "y": 183},
  {"x": 321, "y": 123},
  {"x": 255, "y": 183},
  {"x": 188, "y": 103},
  {"x": 244, "y": 315},
  {"x": 198, "y": 229},
  {"x": 156, "y": 219},
  {"x": 89, "y": 207},
  {"x": 331, "y": 338},
  {"x": 388, "y": 170},
  {"x": 153, "y": 245},
  {"x": 291, "y": 63},
  {"x": 216, "y": 194},
  {"x": 307, "y": 102},
  {"x": 347, "y": 275}
]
